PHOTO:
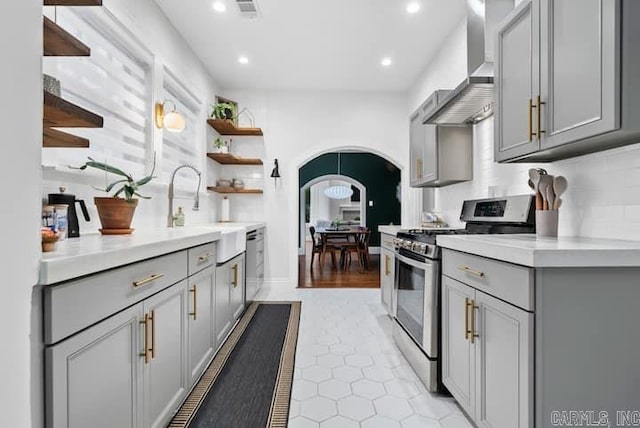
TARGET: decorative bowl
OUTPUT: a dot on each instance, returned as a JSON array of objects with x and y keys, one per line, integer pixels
[{"x": 223, "y": 182}]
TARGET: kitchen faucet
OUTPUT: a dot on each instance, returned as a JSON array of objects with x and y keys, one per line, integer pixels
[{"x": 196, "y": 202}]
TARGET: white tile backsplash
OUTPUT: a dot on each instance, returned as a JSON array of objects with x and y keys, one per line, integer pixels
[{"x": 602, "y": 201}]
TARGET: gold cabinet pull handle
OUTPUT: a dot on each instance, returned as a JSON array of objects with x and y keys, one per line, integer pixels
[
  {"x": 194, "y": 290},
  {"x": 467, "y": 303},
  {"x": 473, "y": 334},
  {"x": 147, "y": 280},
  {"x": 145, "y": 354},
  {"x": 467, "y": 269},
  {"x": 540, "y": 103},
  {"x": 152, "y": 349},
  {"x": 387, "y": 271},
  {"x": 418, "y": 168},
  {"x": 205, "y": 257},
  {"x": 531, "y": 133},
  {"x": 235, "y": 275}
]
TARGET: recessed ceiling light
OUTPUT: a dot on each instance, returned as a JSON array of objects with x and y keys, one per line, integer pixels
[
  {"x": 219, "y": 6},
  {"x": 243, "y": 60},
  {"x": 386, "y": 62},
  {"x": 413, "y": 7}
]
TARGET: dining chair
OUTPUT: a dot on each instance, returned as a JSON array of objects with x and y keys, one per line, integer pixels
[
  {"x": 363, "y": 248},
  {"x": 316, "y": 247}
]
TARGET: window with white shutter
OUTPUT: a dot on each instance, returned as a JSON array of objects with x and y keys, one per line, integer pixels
[
  {"x": 182, "y": 148},
  {"x": 114, "y": 82}
]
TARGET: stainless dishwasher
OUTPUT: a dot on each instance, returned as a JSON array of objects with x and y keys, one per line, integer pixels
[{"x": 255, "y": 263}]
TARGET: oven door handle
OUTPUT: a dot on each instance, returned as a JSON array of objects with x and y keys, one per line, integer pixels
[{"x": 413, "y": 263}]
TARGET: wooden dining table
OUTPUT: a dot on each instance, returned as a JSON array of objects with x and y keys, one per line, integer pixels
[{"x": 335, "y": 237}]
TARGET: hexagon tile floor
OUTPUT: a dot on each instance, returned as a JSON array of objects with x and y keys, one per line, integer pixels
[{"x": 349, "y": 373}]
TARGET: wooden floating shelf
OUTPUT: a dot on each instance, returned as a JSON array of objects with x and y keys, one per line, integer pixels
[
  {"x": 54, "y": 138},
  {"x": 227, "y": 127},
  {"x": 72, "y": 2},
  {"x": 61, "y": 113},
  {"x": 229, "y": 159},
  {"x": 231, "y": 190},
  {"x": 58, "y": 42}
]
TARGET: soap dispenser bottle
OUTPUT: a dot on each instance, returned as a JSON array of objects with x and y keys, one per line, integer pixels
[{"x": 178, "y": 219}]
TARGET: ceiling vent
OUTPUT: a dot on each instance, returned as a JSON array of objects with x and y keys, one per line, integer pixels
[{"x": 248, "y": 9}]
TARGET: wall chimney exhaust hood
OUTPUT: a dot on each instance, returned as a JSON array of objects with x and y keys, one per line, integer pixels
[{"x": 472, "y": 100}]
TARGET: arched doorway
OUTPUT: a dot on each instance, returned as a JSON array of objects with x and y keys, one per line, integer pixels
[
  {"x": 380, "y": 202},
  {"x": 305, "y": 200}
]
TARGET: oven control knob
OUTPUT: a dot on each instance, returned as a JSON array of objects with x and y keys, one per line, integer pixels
[{"x": 422, "y": 248}]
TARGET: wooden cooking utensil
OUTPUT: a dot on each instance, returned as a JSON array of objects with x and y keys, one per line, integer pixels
[
  {"x": 550, "y": 197},
  {"x": 534, "y": 177},
  {"x": 557, "y": 204},
  {"x": 544, "y": 182},
  {"x": 560, "y": 185}
]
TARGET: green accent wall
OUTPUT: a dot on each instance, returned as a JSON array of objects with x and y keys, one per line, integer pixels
[{"x": 380, "y": 177}]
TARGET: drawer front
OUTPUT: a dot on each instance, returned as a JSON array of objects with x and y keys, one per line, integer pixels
[
  {"x": 75, "y": 305},
  {"x": 201, "y": 257},
  {"x": 506, "y": 281},
  {"x": 387, "y": 241}
]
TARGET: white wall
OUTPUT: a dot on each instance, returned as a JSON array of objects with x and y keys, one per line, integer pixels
[
  {"x": 145, "y": 19},
  {"x": 445, "y": 71},
  {"x": 603, "y": 199},
  {"x": 20, "y": 121},
  {"x": 299, "y": 126}
]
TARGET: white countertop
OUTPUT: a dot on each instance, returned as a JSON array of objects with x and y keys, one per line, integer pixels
[
  {"x": 389, "y": 229},
  {"x": 93, "y": 253},
  {"x": 247, "y": 225},
  {"x": 527, "y": 250}
]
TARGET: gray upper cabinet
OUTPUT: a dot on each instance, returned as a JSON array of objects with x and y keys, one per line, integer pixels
[
  {"x": 576, "y": 62},
  {"x": 416, "y": 148},
  {"x": 440, "y": 155},
  {"x": 516, "y": 83},
  {"x": 579, "y": 64}
]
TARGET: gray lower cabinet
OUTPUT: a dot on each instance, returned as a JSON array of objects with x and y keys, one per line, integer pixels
[
  {"x": 95, "y": 378},
  {"x": 566, "y": 74},
  {"x": 202, "y": 338},
  {"x": 123, "y": 347},
  {"x": 126, "y": 371},
  {"x": 387, "y": 272},
  {"x": 487, "y": 348},
  {"x": 165, "y": 380},
  {"x": 229, "y": 295}
]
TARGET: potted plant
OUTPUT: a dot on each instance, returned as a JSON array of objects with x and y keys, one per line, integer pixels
[
  {"x": 224, "y": 111},
  {"x": 221, "y": 145},
  {"x": 116, "y": 212}
]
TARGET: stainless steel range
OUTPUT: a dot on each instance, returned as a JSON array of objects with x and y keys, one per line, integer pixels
[{"x": 417, "y": 279}]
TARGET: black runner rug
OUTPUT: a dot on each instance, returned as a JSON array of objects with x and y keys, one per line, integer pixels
[{"x": 248, "y": 383}]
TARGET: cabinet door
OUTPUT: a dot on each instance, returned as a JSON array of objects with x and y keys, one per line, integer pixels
[
  {"x": 222, "y": 299},
  {"x": 430, "y": 153},
  {"x": 165, "y": 375},
  {"x": 387, "y": 272},
  {"x": 580, "y": 63},
  {"x": 517, "y": 82},
  {"x": 95, "y": 377},
  {"x": 237, "y": 287},
  {"x": 504, "y": 364},
  {"x": 416, "y": 147},
  {"x": 458, "y": 353},
  {"x": 201, "y": 324}
]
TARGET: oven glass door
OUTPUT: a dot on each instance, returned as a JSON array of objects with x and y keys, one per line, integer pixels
[{"x": 416, "y": 304}]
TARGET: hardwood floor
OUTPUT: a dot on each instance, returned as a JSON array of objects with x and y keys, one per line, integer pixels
[{"x": 331, "y": 277}]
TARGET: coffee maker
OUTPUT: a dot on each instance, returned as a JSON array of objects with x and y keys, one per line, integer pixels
[{"x": 73, "y": 228}]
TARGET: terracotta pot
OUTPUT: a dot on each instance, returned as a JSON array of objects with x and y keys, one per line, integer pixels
[{"x": 115, "y": 215}]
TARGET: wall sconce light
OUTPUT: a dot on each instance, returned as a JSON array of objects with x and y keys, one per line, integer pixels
[
  {"x": 170, "y": 120},
  {"x": 275, "y": 173}
]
